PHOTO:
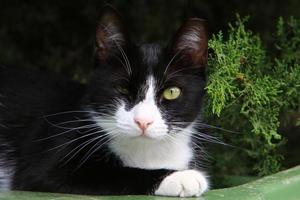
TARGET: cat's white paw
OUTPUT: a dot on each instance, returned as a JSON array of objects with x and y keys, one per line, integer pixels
[{"x": 185, "y": 183}]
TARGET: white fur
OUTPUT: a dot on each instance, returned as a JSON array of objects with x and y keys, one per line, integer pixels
[
  {"x": 6, "y": 172},
  {"x": 186, "y": 183},
  {"x": 5, "y": 179},
  {"x": 148, "y": 109},
  {"x": 147, "y": 153},
  {"x": 154, "y": 149}
]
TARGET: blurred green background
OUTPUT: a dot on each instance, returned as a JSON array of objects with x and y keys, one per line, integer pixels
[{"x": 58, "y": 35}]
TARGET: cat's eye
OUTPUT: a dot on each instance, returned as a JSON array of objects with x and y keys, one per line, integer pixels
[
  {"x": 121, "y": 90},
  {"x": 171, "y": 93}
]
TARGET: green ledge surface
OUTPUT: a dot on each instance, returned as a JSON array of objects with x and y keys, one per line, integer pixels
[{"x": 284, "y": 185}]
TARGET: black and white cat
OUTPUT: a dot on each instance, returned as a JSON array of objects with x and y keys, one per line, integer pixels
[{"x": 128, "y": 131}]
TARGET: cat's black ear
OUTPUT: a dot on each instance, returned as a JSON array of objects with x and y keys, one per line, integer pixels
[
  {"x": 110, "y": 34},
  {"x": 191, "y": 41}
]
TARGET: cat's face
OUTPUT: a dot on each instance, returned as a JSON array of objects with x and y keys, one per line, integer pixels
[{"x": 146, "y": 91}]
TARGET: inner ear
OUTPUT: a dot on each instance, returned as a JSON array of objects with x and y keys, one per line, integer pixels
[
  {"x": 191, "y": 41},
  {"x": 110, "y": 35}
]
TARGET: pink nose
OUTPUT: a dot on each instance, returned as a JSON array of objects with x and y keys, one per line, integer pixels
[{"x": 143, "y": 123}]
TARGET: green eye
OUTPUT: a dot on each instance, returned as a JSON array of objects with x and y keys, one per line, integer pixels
[
  {"x": 171, "y": 93},
  {"x": 121, "y": 90}
]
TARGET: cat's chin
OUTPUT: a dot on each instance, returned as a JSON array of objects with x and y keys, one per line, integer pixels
[
  {"x": 151, "y": 137},
  {"x": 139, "y": 135},
  {"x": 147, "y": 137}
]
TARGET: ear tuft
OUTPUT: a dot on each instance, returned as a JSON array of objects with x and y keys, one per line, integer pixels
[
  {"x": 191, "y": 40},
  {"x": 109, "y": 32}
]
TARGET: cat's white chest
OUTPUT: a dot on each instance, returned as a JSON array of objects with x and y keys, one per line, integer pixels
[{"x": 154, "y": 154}]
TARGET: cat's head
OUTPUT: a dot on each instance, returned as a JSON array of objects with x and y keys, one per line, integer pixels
[{"x": 147, "y": 91}]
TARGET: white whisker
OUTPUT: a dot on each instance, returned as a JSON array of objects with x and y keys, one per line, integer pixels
[
  {"x": 83, "y": 145},
  {"x": 71, "y": 141},
  {"x": 67, "y": 131},
  {"x": 91, "y": 151}
]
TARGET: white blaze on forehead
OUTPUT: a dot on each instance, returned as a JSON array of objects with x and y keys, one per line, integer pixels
[
  {"x": 150, "y": 93},
  {"x": 147, "y": 108}
]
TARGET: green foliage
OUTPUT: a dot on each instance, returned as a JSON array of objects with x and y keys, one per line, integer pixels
[
  {"x": 247, "y": 90},
  {"x": 287, "y": 62}
]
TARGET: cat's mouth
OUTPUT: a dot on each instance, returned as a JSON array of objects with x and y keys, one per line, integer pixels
[
  {"x": 143, "y": 136},
  {"x": 151, "y": 134},
  {"x": 146, "y": 138}
]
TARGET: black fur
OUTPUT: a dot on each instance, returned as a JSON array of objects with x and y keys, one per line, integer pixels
[{"x": 34, "y": 107}]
